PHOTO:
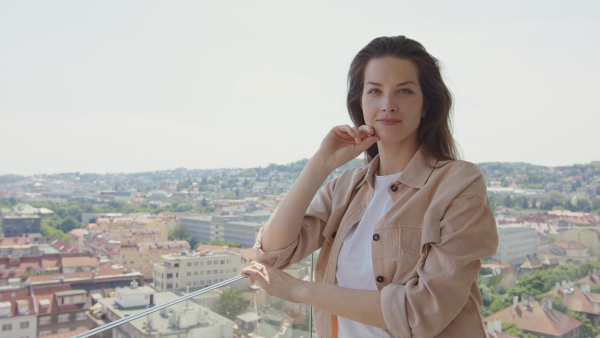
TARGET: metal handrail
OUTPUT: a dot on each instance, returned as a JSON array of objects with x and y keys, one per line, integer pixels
[{"x": 127, "y": 319}]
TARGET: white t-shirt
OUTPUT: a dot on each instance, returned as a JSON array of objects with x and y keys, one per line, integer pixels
[{"x": 355, "y": 263}]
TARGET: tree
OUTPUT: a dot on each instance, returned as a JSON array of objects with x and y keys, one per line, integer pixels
[
  {"x": 508, "y": 201},
  {"x": 68, "y": 224},
  {"x": 231, "y": 304},
  {"x": 221, "y": 242}
]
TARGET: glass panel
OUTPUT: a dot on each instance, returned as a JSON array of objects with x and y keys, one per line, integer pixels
[{"x": 233, "y": 310}]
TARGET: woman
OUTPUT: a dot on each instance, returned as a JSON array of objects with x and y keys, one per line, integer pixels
[{"x": 401, "y": 239}]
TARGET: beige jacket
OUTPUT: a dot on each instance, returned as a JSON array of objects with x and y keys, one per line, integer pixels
[{"x": 426, "y": 250}]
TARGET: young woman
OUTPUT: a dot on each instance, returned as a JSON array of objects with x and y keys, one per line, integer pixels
[{"x": 401, "y": 239}]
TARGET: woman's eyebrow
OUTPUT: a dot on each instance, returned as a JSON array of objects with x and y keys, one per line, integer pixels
[{"x": 398, "y": 85}]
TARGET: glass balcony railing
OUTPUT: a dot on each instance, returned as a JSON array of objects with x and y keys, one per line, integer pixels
[{"x": 224, "y": 309}]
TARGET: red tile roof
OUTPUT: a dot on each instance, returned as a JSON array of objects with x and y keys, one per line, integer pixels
[
  {"x": 15, "y": 296},
  {"x": 578, "y": 301},
  {"x": 536, "y": 319}
]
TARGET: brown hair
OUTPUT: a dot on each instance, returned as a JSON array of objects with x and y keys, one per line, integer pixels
[{"x": 434, "y": 133}]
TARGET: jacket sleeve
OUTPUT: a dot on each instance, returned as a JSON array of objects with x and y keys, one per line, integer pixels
[
  {"x": 310, "y": 237},
  {"x": 425, "y": 305}
]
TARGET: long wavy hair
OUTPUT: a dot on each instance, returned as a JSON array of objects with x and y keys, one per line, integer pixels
[{"x": 435, "y": 130}]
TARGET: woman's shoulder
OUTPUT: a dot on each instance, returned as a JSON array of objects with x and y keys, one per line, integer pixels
[{"x": 459, "y": 175}]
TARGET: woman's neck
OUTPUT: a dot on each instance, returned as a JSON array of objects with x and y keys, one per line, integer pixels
[{"x": 393, "y": 158}]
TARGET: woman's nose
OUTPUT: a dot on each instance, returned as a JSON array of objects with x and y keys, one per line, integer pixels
[{"x": 389, "y": 104}]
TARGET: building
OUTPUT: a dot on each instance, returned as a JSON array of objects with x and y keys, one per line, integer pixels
[
  {"x": 537, "y": 318},
  {"x": 586, "y": 237},
  {"x": 241, "y": 228},
  {"x": 580, "y": 299},
  {"x": 17, "y": 314},
  {"x": 198, "y": 269},
  {"x": 21, "y": 225},
  {"x": 515, "y": 242},
  {"x": 136, "y": 243},
  {"x": 185, "y": 319},
  {"x": 241, "y": 232},
  {"x": 198, "y": 226},
  {"x": 60, "y": 309}
]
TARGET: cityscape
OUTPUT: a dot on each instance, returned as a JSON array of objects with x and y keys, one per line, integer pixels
[{"x": 80, "y": 250}]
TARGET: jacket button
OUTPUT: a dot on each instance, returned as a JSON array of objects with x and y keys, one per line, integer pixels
[
  {"x": 379, "y": 279},
  {"x": 394, "y": 188},
  {"x": 333, "y": 234},
  {"x": 376, "y": 237}
]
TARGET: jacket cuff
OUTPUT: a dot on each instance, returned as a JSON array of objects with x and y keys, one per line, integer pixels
[{"x": 393, "y": 306}]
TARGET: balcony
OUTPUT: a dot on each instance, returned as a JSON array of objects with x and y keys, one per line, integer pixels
[{"x": 228, "y": 308}]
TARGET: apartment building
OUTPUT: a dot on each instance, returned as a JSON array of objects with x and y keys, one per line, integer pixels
[
  {"x": 198, "y": 269},
  {"x": 21, "y": 225},
  {"x": 241, "y": 228},
  {"x": 17, "y": 314},
  {"x": 60, "y": 309},
  {"x": 515, "y": 242}
]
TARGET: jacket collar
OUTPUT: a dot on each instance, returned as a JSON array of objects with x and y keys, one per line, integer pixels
[{"x": 415, "y": 175}]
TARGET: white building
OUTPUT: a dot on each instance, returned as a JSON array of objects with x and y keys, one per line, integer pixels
[
  {"x": 198, "y": 270},
  {"x": 185, "y": 319},
  {"x": 515, "y": 242}
]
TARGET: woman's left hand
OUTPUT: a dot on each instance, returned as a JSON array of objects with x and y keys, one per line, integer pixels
[{"x": 276, "y": 282}]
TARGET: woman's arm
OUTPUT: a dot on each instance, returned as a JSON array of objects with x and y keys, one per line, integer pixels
[
  {"x": 342, "y": 144},
  {"x": 362, "y": 306}
]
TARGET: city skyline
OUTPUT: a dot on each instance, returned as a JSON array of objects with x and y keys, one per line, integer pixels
[{"x": 117, "y": 87}]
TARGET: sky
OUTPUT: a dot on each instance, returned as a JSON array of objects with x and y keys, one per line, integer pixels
[{"x": 134, "y": 86}]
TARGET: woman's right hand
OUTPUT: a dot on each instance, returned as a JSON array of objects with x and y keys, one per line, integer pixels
[{"x": 344, "y": 143}]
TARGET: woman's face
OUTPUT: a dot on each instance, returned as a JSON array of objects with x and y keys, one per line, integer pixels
[{"x": 392, "y": 100}]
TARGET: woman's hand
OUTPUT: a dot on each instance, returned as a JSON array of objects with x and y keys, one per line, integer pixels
[
  {"x": 276, "y": 282},
  {"x": 344, "y": 143}
]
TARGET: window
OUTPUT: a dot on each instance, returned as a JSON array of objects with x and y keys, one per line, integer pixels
[
  {"x": 201, "y": 273},
  {"x": 6, "y": 327},
  {"x": 215, "y": 280},
  {"x": 216, "y": 262},
  {"x": 201, "y": 282},
  {"x": 189, "y": 274},
  {"x": 189, "y": 264},
  {"x": 195, "y": 282},
  {"x": 45, "y": 333},
  {"x": 80, "y": 316},
  {"x": 169, "y": 275},
  {"x": 189, "y": 284},
  {"x": 208, "y": 272},
  {"x": 215, "y": 271},
  {"x": 222, "y": 261},
  {"x": 63, "y": 330},
  {"x": 195, "y": 263},
  {"x": 195, "y": 273},
  {"x": 63, "y": 318},
  {"x": 234, "y": 269},
  {"x": 45, "y": 320},
  {"x": 24, "y": 325},
  {"x": 209, "y": 263}
]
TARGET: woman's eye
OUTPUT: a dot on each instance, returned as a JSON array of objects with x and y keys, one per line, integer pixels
[
  {"x": 373, "y": 91},
  {"x": 405, "y": 91}
]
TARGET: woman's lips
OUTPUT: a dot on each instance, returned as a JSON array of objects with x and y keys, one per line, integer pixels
[{"x": 388, "y": 122}]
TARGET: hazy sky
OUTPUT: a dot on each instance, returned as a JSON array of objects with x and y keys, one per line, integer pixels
[{"x": 129, "y": 86}]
